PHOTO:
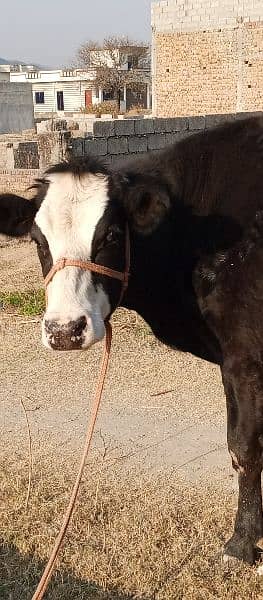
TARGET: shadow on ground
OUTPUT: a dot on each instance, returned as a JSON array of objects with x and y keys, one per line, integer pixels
[{"x": 19, "y": 577}]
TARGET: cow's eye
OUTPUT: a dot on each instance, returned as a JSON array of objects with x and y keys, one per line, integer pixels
[
  {"x": 110, "y": 236},
  {"x": 113, "y": 234}
]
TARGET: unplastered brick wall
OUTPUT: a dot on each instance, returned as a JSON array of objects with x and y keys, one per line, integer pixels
[
  {"x": 17, "y": 180},
  {"x": 24, "y": 156},
  {"x": 207, "y": 56},
  {"x": 197, "y": 15}
]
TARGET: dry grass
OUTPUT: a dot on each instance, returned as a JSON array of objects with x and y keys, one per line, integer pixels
[{"x": 152, "y": 539}]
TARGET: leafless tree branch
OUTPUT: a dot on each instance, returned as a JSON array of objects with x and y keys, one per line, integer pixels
[{"x": 108, "y": 62}]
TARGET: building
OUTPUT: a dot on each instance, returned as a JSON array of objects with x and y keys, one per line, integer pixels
[
  {"x": 207, "y": 56},
  {"x": 7, "y": 69},
  {"x": 56, "y": 92},
  {"x": 59, "y": 92},
  {"x": 5, "y": 72},
  {"x": 133, "y": 65}
]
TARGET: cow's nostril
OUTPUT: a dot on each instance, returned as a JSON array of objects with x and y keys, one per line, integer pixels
[
  {"x": 51, "y": 327},
  {"x": 78, "y": 326}
]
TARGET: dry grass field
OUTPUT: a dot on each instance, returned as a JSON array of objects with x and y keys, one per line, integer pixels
[
  {"x": 150, "y": 538},
  {"x": 157, "y": 500}
]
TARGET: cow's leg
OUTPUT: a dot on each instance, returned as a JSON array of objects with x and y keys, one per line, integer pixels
[{"x": 243, "y": 385}]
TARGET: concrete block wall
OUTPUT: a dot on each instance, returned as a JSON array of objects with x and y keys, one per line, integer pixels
[
  {"x": 116, "y": 141},
  {"x": 119, "y": 140},
  {"x": 207, "y": 56},
  {"x": 112, "y": 141}
]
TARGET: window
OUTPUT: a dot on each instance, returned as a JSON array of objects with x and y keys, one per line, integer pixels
[
  {"x": 132, "y": 62},
  {"x": 109, "y": 95},
  {"x": 39, "y": 98},
  {"x": 60, "y": 101}
]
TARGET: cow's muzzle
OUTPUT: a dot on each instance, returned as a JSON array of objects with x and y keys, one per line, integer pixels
[{"x": 69, "y": 336}]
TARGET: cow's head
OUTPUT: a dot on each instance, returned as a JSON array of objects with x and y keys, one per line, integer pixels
[{"x": 80, "y": 211}]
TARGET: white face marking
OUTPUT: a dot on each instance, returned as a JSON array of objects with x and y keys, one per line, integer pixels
[{"x": 68, "y": 218}]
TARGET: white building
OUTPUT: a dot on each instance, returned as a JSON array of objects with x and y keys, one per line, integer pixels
[
  {"x": 6, "y": 70},
  {"x": 59, "y": 92}
]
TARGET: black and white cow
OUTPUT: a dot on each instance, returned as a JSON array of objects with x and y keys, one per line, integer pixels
[{"x": 196, "y": 234}]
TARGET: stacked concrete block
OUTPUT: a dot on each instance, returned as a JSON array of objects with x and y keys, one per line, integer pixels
[
  {"x": 97, "y": 147},
  {"x": 118, "y": 140},
  {"x": 123, "y": 140}
]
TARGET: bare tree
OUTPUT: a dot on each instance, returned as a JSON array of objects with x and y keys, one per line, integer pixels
[{"x": 116, "y": 62}]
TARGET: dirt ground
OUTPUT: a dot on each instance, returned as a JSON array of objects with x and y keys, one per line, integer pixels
[{"x": 161, "y": 427}]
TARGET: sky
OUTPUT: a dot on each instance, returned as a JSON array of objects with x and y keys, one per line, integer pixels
[{"x": 50, "y": 31}]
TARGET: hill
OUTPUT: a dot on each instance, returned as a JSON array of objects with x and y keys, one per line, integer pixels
[{"x": 6, "y": 61}]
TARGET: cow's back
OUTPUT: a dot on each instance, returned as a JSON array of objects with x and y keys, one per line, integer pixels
[{"x": 223, "y": 170}]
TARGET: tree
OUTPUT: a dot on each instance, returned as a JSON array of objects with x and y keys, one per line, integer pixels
[{"x": 115, "y": 63}]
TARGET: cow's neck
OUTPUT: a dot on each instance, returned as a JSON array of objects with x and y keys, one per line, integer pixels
[
  {"x": 160, "y": 287},
  {"x": 161, "y": 291}
]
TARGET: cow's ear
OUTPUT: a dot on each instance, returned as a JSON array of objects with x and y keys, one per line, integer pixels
[
  {"x": 16, "y": 215},
  {"x": 147, "y": 203}
]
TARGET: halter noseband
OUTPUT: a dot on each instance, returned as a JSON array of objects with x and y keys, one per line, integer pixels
[{"x": 100, "y": 269}]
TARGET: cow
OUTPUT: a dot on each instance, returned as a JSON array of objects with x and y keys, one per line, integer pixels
[{"x": 194, "y": 211}]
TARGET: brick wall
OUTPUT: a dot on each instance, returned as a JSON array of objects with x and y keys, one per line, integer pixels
[
  {"x": 207, "y": 56},
  {"x": 17, "y": 180},
  {"x": 198, "y": 15},
  {"x": 30, "y": 150}
]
